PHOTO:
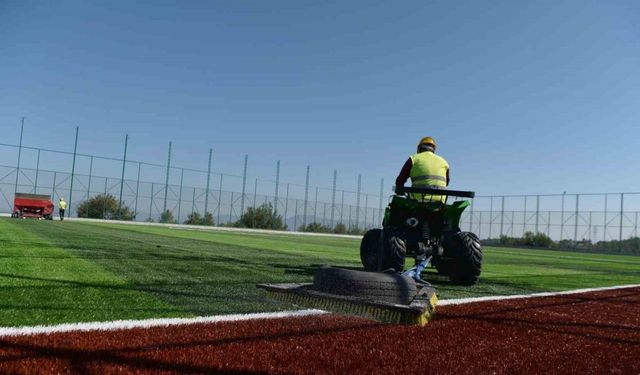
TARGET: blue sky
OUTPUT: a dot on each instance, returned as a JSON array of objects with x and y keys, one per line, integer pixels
[{"x": 522, "y": 97}]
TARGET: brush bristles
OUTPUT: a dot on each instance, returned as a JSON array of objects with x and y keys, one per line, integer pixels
[{"x": 376, "y": 313}]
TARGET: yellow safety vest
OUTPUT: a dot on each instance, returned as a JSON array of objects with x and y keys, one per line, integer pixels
[
  {"x": 62, "y": 205},
  {"x": 428, "y": 169}
]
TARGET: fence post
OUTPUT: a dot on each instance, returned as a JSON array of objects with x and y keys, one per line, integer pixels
[
  {"x": 635, "y": 229},
  {"x": 19, "y": 156},
  {"x": 150, "y": 203},
  {"x": 315, "y": 207},
  {"x": 480, "y": 226},
  {"x": 380, "y": 211},
  {"x": 166, "y": 181},
  {"x": 621, "y": 220},
  {"x": 575, "y": 229},
  {"x": 219, "y": 198},
  {"x": 590, "y": 212},
  {"x": 73, "y": 171},
  {"x": 255, "y": 192},
  {"x": 206, "y": 196},
  {"x": 306, "y": 200},
  {"x": 501, "y": 215},
  {"x": 124, "y": 163},
  {"x": 350, "y": 217},
  {"x": 342, "y": 208},
  {"x": 231, "y": 208},
  {"x": 537, "y": 211},
  {"x": 524, "y": 217},
  {"x": 286, "y": 206},
  {"x": 137, "y": 186},
  {"x": 35, "y": 183},
  {"x": 180, "y": 193},
  {"x": 255, "y": 196},
  {"x": 104, "y": 204},
  {"x": 549, "y": 224},
  {"x": 562, "y": 218},
  {"x": 358, "y": 201},
  {"x": 244, "y": 183},
  {"x": 490, "y": 217},
  {"x": 366, "y": 205},
  {"x": 275, "y": 199},
  {"x": 324, "y": 214},
  {"x": 295, "y": 218},
  {"x": 193, "y": 200},
  {"x": 512, "y": 218},
  {"x": 333, "y": 196},
  {"x": 91, "y": 171},
  {"x": 471, "y": 217},
  {"x": 604, "y": 235},
  {"x": 53, "y": 189}
]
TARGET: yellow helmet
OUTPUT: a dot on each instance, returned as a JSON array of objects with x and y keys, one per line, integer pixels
[{"x": 427, "y": 141}]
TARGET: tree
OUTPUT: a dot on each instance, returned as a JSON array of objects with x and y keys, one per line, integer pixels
[
  {"x": 167, "y": 217},
  {"x": 263, "y": 217},
  {"x": 104, "y": 206}
]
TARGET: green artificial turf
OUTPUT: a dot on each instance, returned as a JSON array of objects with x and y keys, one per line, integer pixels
[{"x": 73, "y": 271}]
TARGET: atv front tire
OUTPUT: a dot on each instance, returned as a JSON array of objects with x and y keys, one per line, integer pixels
[
  {"x": 370, "y": 249},
  {"x": 378, "y": 286},
  {"x": 467, "y": 266},
  {"x": 394, "y": 249}
]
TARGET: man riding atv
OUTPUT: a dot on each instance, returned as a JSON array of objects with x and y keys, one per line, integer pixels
[
  {"x": 420, "y": 223},
  {"x": 425, "y": 168}
]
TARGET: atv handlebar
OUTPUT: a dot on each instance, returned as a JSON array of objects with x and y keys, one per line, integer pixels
[{"x": 434, "y": 191}]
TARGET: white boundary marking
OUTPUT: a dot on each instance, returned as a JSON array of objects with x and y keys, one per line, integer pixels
[
  {"x": 460, "y": 301},
  {"x": 150, "y": 323}
]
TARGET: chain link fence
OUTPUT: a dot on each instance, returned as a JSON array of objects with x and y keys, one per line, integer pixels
[{"x": 150, "y": 189}]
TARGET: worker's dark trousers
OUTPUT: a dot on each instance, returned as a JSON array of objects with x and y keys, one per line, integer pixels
[{"x": 61, "y": 211}]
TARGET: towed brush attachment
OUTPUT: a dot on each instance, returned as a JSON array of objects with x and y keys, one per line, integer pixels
[{"x": 418, "y": 309}]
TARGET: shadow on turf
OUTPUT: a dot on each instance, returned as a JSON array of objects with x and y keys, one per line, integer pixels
[
  {"x": 493, "y": 315},
  {"x": 81, "y": 360}
]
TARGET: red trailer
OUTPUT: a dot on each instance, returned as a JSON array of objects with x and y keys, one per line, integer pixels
[{"x": 36, "y": 206}]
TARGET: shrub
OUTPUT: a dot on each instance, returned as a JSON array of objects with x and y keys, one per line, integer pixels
[
  {"x": 263, "y": 217},
  {"x": 194, "y": 218},
  {"x": 104, "y": 206},
  {"x": 315, "y": 228},
  {"x": 340, "y": 229},
  {"x": 167, "y": 217},
  {"x": 356, "y": 231}
]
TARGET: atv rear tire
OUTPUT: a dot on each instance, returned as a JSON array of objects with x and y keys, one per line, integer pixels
[
  {"x": 370, "y": 249},
  {"x": 378, "y": 286},
  {"x": 394, "y": 249},
  {"x": 467, "y": 266}
]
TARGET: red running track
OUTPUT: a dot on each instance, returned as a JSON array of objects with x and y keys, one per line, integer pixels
[{"x": 591, "y": 333}]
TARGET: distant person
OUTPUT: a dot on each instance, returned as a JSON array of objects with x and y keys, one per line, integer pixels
[
  {"x": 62, "y": 206},
  {"x": 426, "y": 169}
]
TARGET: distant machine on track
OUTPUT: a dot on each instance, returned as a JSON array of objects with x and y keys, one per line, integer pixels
[{"x": 37, "y": 206}]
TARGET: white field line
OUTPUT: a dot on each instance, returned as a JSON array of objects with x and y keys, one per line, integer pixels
[
  {"x": 460, "y": 301},
  {"x": 150, "y": 323}
]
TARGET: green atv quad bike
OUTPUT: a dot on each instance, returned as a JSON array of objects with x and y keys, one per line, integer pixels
[{"x": 427, "y": 230}]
